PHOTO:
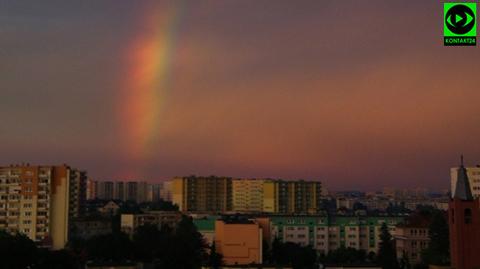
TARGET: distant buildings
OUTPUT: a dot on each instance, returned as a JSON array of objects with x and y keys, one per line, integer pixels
[
  {"x": 221, "y": 194},
  {"x": 41, "y": 201},
  {"x": 124, "y": 191},
  {"x": 287, "y": 197},
  {"x": 137, "y": 191},
  {"x": 202, "y": 194},
  {"x": 464, "y": 221}
]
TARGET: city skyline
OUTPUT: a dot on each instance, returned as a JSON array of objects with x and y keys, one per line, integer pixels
[{"x": 355, "y": 95}]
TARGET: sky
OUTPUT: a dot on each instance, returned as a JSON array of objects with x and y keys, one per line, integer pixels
[{"x": 357, "y": 94}]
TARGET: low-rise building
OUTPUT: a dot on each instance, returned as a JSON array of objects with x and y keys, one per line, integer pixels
[
  {"x": 239, "y": 240},
  {"x": 411, "y": 238},
  {"x": 86, "y": 228},
  {"x": 130, "y": 222}
]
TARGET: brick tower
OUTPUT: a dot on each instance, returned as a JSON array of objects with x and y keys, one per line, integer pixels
[{"x": 464, "y": 224}]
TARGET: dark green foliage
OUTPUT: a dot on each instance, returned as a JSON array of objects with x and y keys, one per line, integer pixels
[
  {"x": 110, "y": 247},
  {"x": 438, "y": 251},
  {"x": 386, "y": 254},
  {"x": 60, "y": 259},
  {"x": 152, "y": 243},
  {"x": 17, "y": 251},
  {"x": 160, "y": 205},
  {"x": 187, "y": 249},
  {"x": 215, "y": 259},
  {"x": 345, "y": 256},
  {"x": 299, "y": 257},
  {"x": 405, "y": 262}
]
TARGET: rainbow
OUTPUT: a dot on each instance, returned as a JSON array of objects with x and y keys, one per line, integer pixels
[{"x": 149, "y": 59}]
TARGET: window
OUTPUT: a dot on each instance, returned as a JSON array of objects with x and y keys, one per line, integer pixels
[{"x": 468, "y": 216}]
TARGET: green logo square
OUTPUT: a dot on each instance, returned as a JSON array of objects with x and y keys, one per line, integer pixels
[{"x": 459, "y": 24}]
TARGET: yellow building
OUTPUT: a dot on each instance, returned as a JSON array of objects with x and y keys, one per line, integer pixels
[
  {"x": 247, "y": 195},
  {"x": 40, "y": 201},
  {"x": 300, "y": 196},
  {"x": 202, "y": 194}
]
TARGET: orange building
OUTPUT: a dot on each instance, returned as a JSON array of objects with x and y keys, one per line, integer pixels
[{"x": 239, "y": 241}]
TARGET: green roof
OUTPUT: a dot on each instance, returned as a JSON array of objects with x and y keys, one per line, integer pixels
[{"x": 207, "y": 224}]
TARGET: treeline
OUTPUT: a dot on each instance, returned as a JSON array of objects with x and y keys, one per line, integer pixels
[{"x": 182, "y": 247}]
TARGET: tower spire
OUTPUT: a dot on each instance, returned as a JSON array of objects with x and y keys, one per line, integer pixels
[{"x": 462, "y": 187}]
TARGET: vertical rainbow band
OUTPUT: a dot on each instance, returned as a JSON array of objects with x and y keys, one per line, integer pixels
[{"x": 149, "y": 62}]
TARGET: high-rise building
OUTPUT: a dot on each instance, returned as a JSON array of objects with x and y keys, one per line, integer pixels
[
  {"x": 92, "y": 187},
  {"x": 105, "y": 190},
  {"x": 202, "y": 194},
  {"x": 166, "y": 191},
  {"x": 464, "y": 223},
  {"x": 41, "y": 201},
  {"x": 473, "y": 174},
  {"x": 300, "y": 196},
  {"x": 125, "y": 191},
  {"x": 153, "y": 192},
  {"x": 247, "y": 195}
]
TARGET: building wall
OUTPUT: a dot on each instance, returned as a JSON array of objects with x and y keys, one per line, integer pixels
[
  {"x": 203, "y": 194},
  {"x": 329, "y": 233},
  {"x": 269, "y": 197},
  {"x": 247, "y": 195},
  {"x": 464, "y": 233},
  {"x": 39, "y": 201},
  {"x": 411, "y": 241},
  {"x": 292, "y": 196},
  {"x": 130, "y": 222},
  {"x": 239, "y": 243}
]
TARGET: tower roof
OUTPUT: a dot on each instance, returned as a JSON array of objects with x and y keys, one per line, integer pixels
[{"x": 462, "y": 188}]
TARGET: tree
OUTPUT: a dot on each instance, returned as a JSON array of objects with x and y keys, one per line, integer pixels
[
  {"x": 17, "y": 251},
  {"x": 215, "y": 259},
  {"x": 405, "y": 262},
  {"x": 344, "y": 255},
  {"x": 187, "y": 249},
  {"x": 110, "y": 247},
  {"x": 438, "y": 251},
  {"x": 386, "y": 254},
  {"x": 299, "y": 257}
]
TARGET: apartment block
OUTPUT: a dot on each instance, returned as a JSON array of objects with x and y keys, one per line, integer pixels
[
  {"x": 329, "y": 233},
  {"x": 41, "y": 201},
  {"x": 324, "y": 233},
  {"x": 202, "y": 194},
  {"x": 122, "y": 190},
  {"x": 287, "y": 197},
  {"x": 92, "y": 186},
  {"x": 247, "y": 195}
]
